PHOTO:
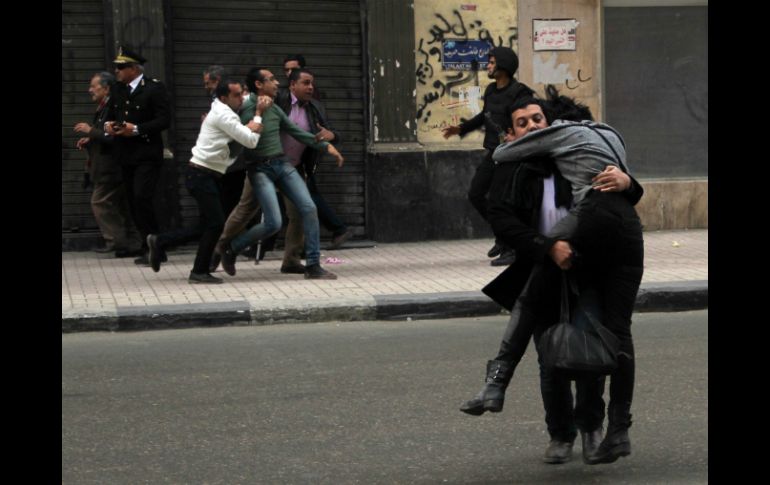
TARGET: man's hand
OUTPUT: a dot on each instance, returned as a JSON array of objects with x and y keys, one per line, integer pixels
[
  {"x": 323, "y": 134},
  {"x": 109, "y": 128},
  {"x": 561, "y": 253},
  {"x": 263, "y": 104},
  {"x": 451, "y": 130},
  {"x": 612, "y": 179},
  {"x": 82, "y": 128},
  {"x": 333, "y": 152},
  {"x": 82, "y": 142},
  {"x": 254, "y": 126},
  {"x": 126, "y": 130}
]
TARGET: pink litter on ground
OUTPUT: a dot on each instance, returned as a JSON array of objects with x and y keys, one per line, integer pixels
[{"x": 333, "y": 260}]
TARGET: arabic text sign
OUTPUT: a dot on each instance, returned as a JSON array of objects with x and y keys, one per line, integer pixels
[
  {"x": 458, "y": 55},
  {"x": 554, "y": 35}
]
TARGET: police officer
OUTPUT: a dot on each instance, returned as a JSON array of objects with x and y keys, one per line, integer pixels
[{"x": 140, "y": 112}]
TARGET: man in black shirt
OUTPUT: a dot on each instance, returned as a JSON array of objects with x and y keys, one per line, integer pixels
[{"x": 495, "y": 118}]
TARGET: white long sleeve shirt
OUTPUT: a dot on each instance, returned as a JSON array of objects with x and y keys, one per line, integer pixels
[{"x": 221, "y": 126}]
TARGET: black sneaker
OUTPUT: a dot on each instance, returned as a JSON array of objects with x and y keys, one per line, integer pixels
[
  {"x": 316, "y": 272},
  {"x": 153, "y": 252},
  {"x": 228, "y": 260},
  {"x": 495, "y": 251},
  {"x": 203, "y": 278},
  {"x": 142, "y": 260},
  {"x": 506, "y": 258}
]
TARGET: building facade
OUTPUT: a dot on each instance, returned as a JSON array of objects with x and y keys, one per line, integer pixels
[{"x": 392, "y": 73}]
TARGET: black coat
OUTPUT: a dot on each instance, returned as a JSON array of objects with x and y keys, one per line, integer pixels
[
  {"x": 148, "y": 108},
  {"x": 516, "y": 196},
  {"x": 316, "y": 114}
]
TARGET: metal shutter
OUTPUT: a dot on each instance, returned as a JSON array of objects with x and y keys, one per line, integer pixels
[
  {"x": 82, "y": 54},
  {"x": 240, "y": 35}
]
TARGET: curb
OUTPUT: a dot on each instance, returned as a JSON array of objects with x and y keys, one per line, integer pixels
[{"x": 652, "y": 297}]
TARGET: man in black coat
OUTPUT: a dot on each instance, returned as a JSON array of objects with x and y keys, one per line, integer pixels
[
  {"x": 139, "y": 114},
  {"x": 499, "y": 96},
  {"x": 518, "y": 212}
]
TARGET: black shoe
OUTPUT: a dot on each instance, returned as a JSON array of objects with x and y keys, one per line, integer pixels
[
  {"x": 590, "y": 441},
  {"x": 316, "y": 272},
  {"x": 216, "y": 258},
  {"x": 127, "y": 253},
  {"x": 144, "y": 259},
  {"x": 228, "y": 260},
  {"x": 615, "y": 444},
  {"x": 558, "y": 452},
  {"x": 338, "y": 241},
  {"x": 507, "y": 258},
  {"x": 297, "y": 268},
  {"x": 204, "y": 278},
  {"x": 105, "y": 249},
  {"x": 492, "y": 396},
  {"x": 153, "y": 252},
  {"x": 495, "y": 251},
  {"x": 250, "y": 252}
]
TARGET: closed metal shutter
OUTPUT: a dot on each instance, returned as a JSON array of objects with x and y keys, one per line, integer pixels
[
  {"x": 82, "y": 54},
  {"x": 240, "y": 35}
]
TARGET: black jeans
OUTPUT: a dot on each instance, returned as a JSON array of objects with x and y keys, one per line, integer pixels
[
  {"x": 609, "y": 240},
  {"x": 480, "y": 185},
  {"x": 205, "y": 188}
]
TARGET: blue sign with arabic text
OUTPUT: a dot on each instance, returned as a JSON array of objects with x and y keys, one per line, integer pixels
[{"x": 459, "y": 55}]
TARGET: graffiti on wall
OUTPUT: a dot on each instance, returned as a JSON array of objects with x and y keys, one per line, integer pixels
[{"x": 447, "y": 96}]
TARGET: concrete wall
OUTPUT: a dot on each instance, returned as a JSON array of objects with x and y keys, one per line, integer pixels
[
  {"x": 674, "y": 204},
  {"x": 575, "y": 73},
  {"x": 446, "y": 96}
]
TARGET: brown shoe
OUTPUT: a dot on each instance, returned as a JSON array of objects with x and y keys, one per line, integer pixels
[
  {"x": 316, "y": 272},
  {"x": 340, "y": 240}
]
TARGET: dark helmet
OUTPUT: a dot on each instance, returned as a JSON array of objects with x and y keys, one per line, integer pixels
[{"x": 505, "y": 59}]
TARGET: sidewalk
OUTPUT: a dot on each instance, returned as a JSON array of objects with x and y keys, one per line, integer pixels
[{"x": 435, "y": 279}]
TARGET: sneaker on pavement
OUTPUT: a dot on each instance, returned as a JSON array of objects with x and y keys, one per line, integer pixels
[
  {"x": 228, "y": 260},
  {"x": 297, "y": 268},
  {"x": 202, "y": 278},
  {"x": 338, "y": 241},
  {"x": 153, "y": 252},
  {"x": 316, "y": 272},
  {"x": 506, "y": 258},
  {"x": 495, "y": 251}
]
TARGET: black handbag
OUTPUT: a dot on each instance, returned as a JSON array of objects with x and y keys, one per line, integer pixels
[{"x": 579, "y": 345}]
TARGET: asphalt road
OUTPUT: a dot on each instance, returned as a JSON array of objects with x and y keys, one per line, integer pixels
[{"x": 357, "y": 402}]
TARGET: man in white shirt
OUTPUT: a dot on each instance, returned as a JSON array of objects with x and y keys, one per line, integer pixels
[{"x": 210, "y": 158}]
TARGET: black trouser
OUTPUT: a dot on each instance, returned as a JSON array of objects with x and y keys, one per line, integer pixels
[
  {"x": 536, "y": 309},
  {"x": 140, "y": 181},
  {"x": 232, "y": 187},
  {"x": 609, "y": 240},
  {"x": 480, "y": 185},
  {"x": 204, "y": 185}
]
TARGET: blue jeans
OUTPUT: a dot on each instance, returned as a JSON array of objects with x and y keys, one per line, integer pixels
[{"x": 265, "y": 177}]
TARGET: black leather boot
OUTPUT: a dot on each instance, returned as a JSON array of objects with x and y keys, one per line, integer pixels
[
  {"x": 616, "y": 443},
  {"x": 492, "y": 396},
  {"x": 591, "y": 441}
]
